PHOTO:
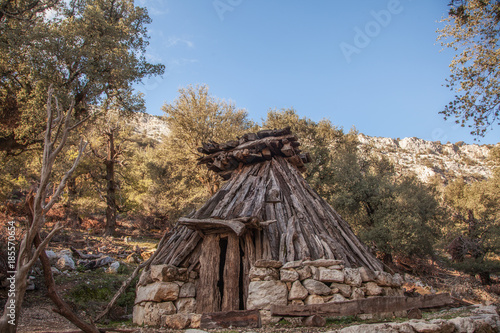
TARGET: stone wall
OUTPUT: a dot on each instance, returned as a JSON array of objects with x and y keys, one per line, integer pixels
[
  {"x": 166, "y": 295},
  {"x": 314, "y": 282}
]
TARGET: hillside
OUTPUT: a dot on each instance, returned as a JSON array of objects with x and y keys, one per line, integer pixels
[{"x": 426, "y": 159}]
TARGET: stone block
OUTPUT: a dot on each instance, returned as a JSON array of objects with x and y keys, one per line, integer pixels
[
  {"x": 344, "y": 289},
  {"x": 330, "y": 275},
  {"x": 150, "y": 313},
  {"x": 263, "y": 294},
  {"x": 178, "y": 321},
  {"x": 383, "y": 279},
  {"x": 297, "y": 292},
  {"x": 373, "y": 289},
  {"x": 322, "y": 262},
  {"x": 353, "y": 277},
  {"x": 397, "y": 280},
  {"x": 263, "y": 274},
  {"x": 316, "y": 287},
  {"x": 337, "y": 298},
  {"x": 304, "y": 272},
  {"x": 314, "y": 299},
  {"x": 367, "y": 275},
  {"x": 187, "y": 290},
  {"x": 292, "y": 264},
  {"x": 357, "y": 293},
  {"x": 65, "y": 263},
  {"x": 187, "y": 305},
  {"x": 288, "y": 275},
  {"x": 157, "y": 292}
]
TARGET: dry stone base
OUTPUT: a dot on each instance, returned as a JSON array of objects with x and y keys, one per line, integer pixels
[{"x": 263, "y": 294}]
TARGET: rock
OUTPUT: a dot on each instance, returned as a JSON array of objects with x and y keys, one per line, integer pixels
[
  {"x": 337, "y": 298},
  {"x": 297, "y": 302},
  {"x": 288, "y": 275},
  {"x": 337, "y": 267},
  {"x": 435, "y": 326},
  {"x": 414, "y": 314},
  {"x": 65, "y": 262},
  {"x": 150, "y": 313},
  {"x": 304, "y": 272},
  {"x": 314, "y": 321},
  {"x": 192, "y": 330},
  {"x": 263, "y": 294},
  {"x": 187, "y": 305},
  {"x": 392, "y": 292},
  {"x": 344, "y": 289},
  {"x": 322, "y": 262},
  {"x": 53, "y": 257},
  {"x": 266, "y": 318},
  {"x": 383, "y": 279},
  {"x": 157, "y": 292},
  {"x": 367, "y": 275},
  {"x": 164, "y": 273},
  {"x": 357, "y": 293},
  {"x": 195, "y": 323},
  {"x": 297, "y": 292},
  {"x": 263, "y": 263},
  {"x": 397, "y": 280},
  {"x": 55, "y": 271},
  {"x": 330, "y": 275},
  {"x": 176, "y": 321},
  {"x": 292, "y": 264},
  {"x": 145, "y": 278},
  {"x": 367, "y": 328},
  {"x": 263, "y": 274},
  {"x": 372, "y": 289},
  {"x": 314, "y": 299},
  {"x": 113, "y": 268},
  {"x": 187, "y": 290},
  {"x": 353, "y": 277},
  {"x": 316, "y": 287},
  {"x": 133, "y": 258}
]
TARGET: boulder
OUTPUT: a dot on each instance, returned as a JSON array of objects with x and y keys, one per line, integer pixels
[
  {"x": 187, "y": 290},
  {"x": 292, "y": 264},
  {"x": 263, "y": 294},
  {"x": 297, "y": 292},
  {"x": 397, "y": 280},
  {"x": 383, "y": 279},
  {"x": 176, "y": 321},
  {"x": 113, "y": 268},
  {"x": 314, "y": 299},
  {"x": 263, "y": 263},
  {"x": 145, "y": 278},
  {"x": 373, "y": 289},
  {"x": 316, "y": 287},
  {"x": 357, "y": 293},
  {"x": 53, "y": 257},
  {"x": 330, "y": 275},
  {"x": 150, "y": 313},
  {"x": 157, "y": 292},
  {"x": 304, "y": 272},
  {"x": 65, "y": 262},
  {"x": 263, "y": 274},
  {"x": 434, "y": 326},
  {"x": 337, "y": 298},
  {"x": 367, "y": 275},
  {"x": 344, "y": 289},
  {"x": 187, "y": 305},
  {"x": 195, "y": 323},
  {"x": 288, "y": 275},
  {"x": 163, "y": 273},
  {"x": 353, "y": 277}
]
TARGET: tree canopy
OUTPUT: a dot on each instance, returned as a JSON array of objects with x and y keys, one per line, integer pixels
[
  {"x": 472, "y": 29},
  {"x": 89, "y": 50}
]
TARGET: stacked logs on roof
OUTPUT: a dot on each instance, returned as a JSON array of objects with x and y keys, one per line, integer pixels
[{"x": 252, "y": 148}]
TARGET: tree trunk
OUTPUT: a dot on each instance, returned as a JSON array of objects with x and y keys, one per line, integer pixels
[
  {"x": 110, "y": 187},
  {"x": 72, "y": 194}
]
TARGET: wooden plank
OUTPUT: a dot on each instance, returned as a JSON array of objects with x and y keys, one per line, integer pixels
[
  {"x": 213, "y": 225},
  {"x": 230, "y": 319},
  {"x": 231, "y": 293},
  {"x": 207, "y": 292},
  {"x": 363, "y": 306}
]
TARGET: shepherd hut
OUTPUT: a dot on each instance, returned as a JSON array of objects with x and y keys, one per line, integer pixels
[{"x": 265, "y": 238}]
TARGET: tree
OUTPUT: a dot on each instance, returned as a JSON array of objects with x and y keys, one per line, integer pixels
[
  {"x": 475, "y": 235},
  {"x": 195, "y": 117},
  {"x": 89, "y": 49},
  {"x": 59, "y": 125},
  {"x": 472, "y": 29}
]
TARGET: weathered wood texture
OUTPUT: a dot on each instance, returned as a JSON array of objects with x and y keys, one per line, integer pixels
[
  {"x": 363, "y": 306},
  {"x": 207, "y": 293},
  {"x": 231, "y": 293},
  {"x": 246, "y": 318}
]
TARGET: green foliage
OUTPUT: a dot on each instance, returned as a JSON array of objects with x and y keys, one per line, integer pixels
[
  {"x": 178, "y": 183},
  {"x": 89, "y": 50},
  {"x": 472, "y": 30}
]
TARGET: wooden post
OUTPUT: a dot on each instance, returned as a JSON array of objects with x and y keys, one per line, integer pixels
[
  {"x": 231, "y": 294},
  {"x": 208, "y": 295}
]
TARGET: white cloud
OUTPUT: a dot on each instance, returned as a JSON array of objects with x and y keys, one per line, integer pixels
[{"x": 174, "y": 41}]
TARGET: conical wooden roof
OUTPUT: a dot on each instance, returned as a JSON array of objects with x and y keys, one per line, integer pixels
[{"x": 266, "y": 200}]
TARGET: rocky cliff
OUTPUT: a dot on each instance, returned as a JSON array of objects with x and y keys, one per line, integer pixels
[{"x": 426, "y": 159}]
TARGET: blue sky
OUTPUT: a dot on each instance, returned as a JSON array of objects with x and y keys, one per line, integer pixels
[{"x": 374, "y": 65}]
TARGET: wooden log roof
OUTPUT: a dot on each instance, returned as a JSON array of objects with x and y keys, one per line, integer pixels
[{"x": 252, "y": 148}]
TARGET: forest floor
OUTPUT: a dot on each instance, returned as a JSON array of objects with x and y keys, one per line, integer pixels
[{"x": 88, "y": 291}]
